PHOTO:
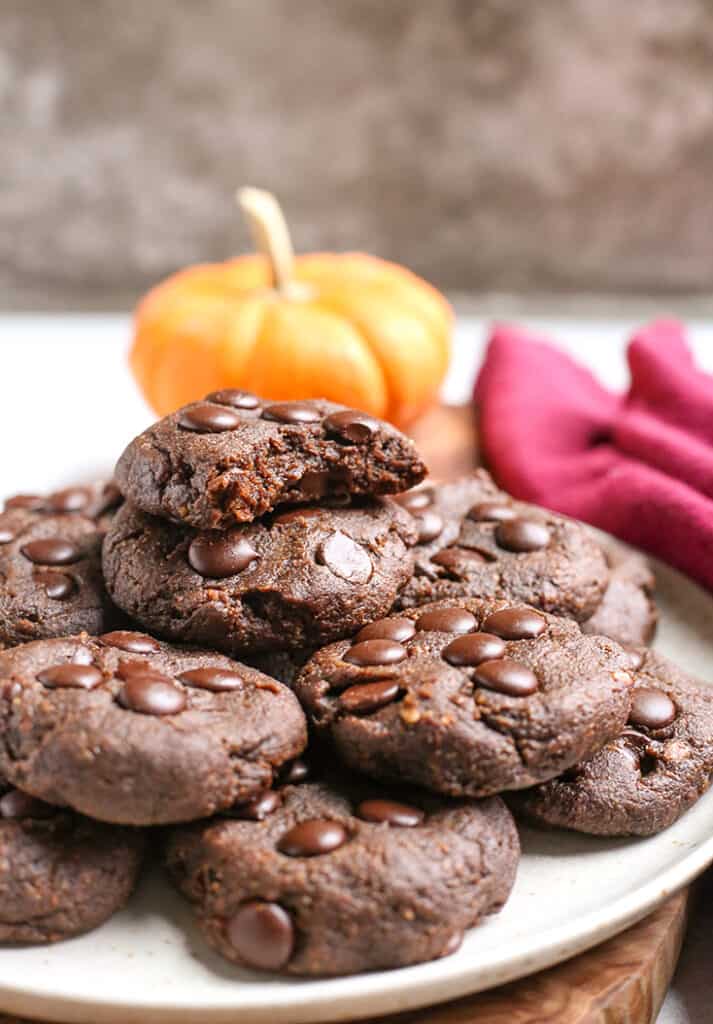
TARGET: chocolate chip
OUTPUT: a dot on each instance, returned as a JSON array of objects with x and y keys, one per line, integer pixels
[
  {"x": 134, "y": 643},
  {"x": 217, "y": 555},
  {"x": 151, "y": 693},
  {"x": 453, "y": 944},
  {"x": 126, "y": 669},
  {"x": 314, "y": 484},
  {"x": 297, "y": 771},
  {"x": 387, "y": 629},
  {"x": 351, "y": 425},
  {"x": 257, "y": 809},
  {"x": 295, "y": 514},
  {"x": 232, "y": 396},
  {"x": 395, "y": 814},
  {"x": 345, "y": 558},
  {"x": 205, "y": 418},
  {"x": 447, "y": 620},
  {"x": 262, "y": 934},
  {"x": 215, "y": 679},
  {"x": 506, "y": 676},
  {"x": 51, "y": 551},
  {"x": 70, "y": 675},
  {"x": 430, "y": 525},
  {"x": 71, "y": 499},
  {"x": 459, "y": 561},
  {"x": 492, "y": 512},
  {"x": 375, "y": 652},
  {"x": 474, "y": 649},
  {"x": 313, "y": 838},
  {"x": 414, "y": 501},
  {"x": 367, "y": 697},
  {"x": 515, "y": 624},
  {"x": 6, "y": 536},
  {"x": 651, "y": 708},
  {"x": 57, "y": 585},
  {"x": 31, "y": 502},
  {"x": 21, "y": 805},
  {"x": 111, "y": 496},
  {"x": 291, "y": 412},
  {"x": 522, "y": 535},
  {"x": 634, "y": 658}
]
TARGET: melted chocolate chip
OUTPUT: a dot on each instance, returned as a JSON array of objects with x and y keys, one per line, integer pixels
[
  {"x": 430, "y": 525},
  {"x": 459, "y": 561},
  {"x": 71, "y": 499},
  {"x": 367, "y": 697},
  {"x": 15, "y": 804},
  {"x": 414, "y": 501},
  {"x": 51, "y": 551},
  {"x": 133, "y": 643},
  {"x": 6, "y": 536},
  {"x": 262, "y": 934},
  {"x": 492, "y": 512},
  {"x": 257, "y": 809},
  {"x": 473, "y": 649},
  {"x": 291, "y": 412},
  {"x": 71, "y": 675},
  {"x": 375, "y": 652},
  {"x": 395, "y": 814},
  {"x": 515, "y": 624},
  {"x": 506, "y": 676},
  {"x": 387, "y": 629},
  {"x": 215, "y": 679},
  {"x": 313, "y": 838},
  {"x": 522, "y": 535},
  {"x": 237, "y": 399},
  {"x": 151, "y": 693},
  {"x": 57, "y": 585},
  {"x": 208, "y": 419},
  {"x": 634, "y": 658},
  {"x": 345, "y": 558},
  {"x": 651, "y": 708},
  {"x": 351, "y": 425},
  {"x": 297, "y": 771},
  {"x": 447, "y": 620},
  {"x": 296, "y": 514},
  {"x": 217, "y": 555}
]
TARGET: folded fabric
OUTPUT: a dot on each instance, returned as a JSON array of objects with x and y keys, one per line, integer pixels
[{"x": 639, "y": 466}]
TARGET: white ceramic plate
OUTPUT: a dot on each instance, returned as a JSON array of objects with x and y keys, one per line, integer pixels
[{"x": 150, "y": 964}]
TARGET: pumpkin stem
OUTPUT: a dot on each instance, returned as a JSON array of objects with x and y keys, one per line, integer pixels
[{"x": 270, "y": 233}]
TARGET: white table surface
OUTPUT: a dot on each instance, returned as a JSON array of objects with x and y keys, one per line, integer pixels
[{"x": 61, "y": 376}]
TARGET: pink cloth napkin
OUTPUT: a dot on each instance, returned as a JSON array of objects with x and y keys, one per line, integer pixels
[{"x": 638, "y": 465}]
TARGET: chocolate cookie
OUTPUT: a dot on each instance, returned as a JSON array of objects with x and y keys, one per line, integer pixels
[
  {"x": 128, "y": 730},
  {"x": 475, "y": 541},
  {"x": 51, "y": 581},
  {"x": 60, "y": 874},
  {"x": 97, "y": 500},
  {"x": 467, "y": 698},
  {"x": 627, "y": 612},
  {"x": 233, "y": 457},
  {"x": 300, "y": 578},
  {"x": 327, "y": 878},
  {"x": 641, "y": 782}
]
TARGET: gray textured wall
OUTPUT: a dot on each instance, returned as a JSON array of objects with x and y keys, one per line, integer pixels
[{"x": 501, "y": 144}]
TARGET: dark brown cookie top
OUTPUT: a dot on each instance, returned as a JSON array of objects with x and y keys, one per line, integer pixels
[
  {"x": 469, "y": 697},
  {"x": 627, "y": 612},
  {"x": 129, "y": 730},
  {"x": 645, "y": 779},
  {"x": 96, "y": 500},
  {"x": 234, "y": 457},
  {"x": 51, "y": 579},
  {"x": 60, "y": 874},
  {"x": 295, "y": 579},
  {"x": 476, "y": 541},
  {"x": 336, "y": 878}
]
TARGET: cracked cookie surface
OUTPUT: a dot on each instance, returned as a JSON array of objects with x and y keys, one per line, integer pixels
[
  {"x": 128, "y": 730},
  {"x": 296, "y": 579},
  {"x": 338, "y": 877},
  {"x": 234, "y": 457},
  {"x": 476, "y": 541},
  {"x": 467, "y": 697},
  {"x": 645, "y": 779}
]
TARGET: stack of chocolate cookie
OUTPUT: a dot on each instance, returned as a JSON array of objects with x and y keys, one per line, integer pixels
[{"x": 439, "y": 646}]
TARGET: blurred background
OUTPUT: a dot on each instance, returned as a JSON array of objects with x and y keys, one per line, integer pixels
[{"x": 559, "y": 151}]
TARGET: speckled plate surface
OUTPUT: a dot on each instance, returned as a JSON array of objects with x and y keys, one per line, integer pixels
[{"x": 150, "y": 964}]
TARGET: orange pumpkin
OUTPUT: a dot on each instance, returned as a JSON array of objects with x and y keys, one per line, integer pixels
[{"x": 348, "y": 327}]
